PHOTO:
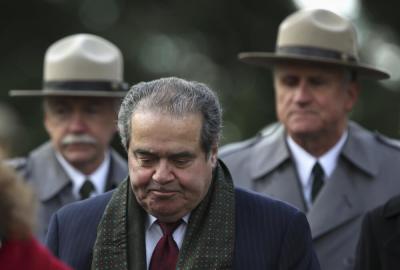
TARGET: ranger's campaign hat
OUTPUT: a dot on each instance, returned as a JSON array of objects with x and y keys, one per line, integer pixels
[
  {"x": 81, "y": 65},
  {"x": 315, "y": 36}
]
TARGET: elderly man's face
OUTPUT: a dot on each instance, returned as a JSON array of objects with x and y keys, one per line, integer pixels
[
  {"x": 313, "y": 100},
  {"x": 169, "y": 172},
  {"x": 80, "y": 128}
]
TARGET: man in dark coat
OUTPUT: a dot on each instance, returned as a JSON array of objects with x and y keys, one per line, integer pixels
[
  {"x": 82, "y": 91},
  {"x": 379, "y": 244},
  {"x": 315, "y": 158},
  {"x": 170, "y": 128}
]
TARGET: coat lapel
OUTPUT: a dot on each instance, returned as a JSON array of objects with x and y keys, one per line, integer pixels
[
  {"x": 337, "y": 203},
  {"x": 118, "y": 170},
  {"x": 52, "y": 178},
  {"x": 48, "y": 175},
  {"x": 341, "y": 198},
  {"x": 270, "y": 153},
  {"x": 285, "y": 186}
]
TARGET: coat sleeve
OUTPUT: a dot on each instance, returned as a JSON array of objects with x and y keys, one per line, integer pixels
[{"x": 297, "y": 249}]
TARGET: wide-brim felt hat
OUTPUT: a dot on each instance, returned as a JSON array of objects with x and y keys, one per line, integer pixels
[
  {"x": 82, "y": 65},
  {"x": 315, "y": 36}
]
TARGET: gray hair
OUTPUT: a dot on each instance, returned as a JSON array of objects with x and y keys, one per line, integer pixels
[{"x": 176, "y": 97}]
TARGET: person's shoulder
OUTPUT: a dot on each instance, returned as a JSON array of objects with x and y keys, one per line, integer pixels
[
  {"x": 89, "y": 207},
  {"x": 383, "y": 219},
  {"x": 391, "y": 143},
  {"x": 265, "y": 134},
  {"x": 246, "y": 199},
  {"x": 43, "y": 151},
  {"x": 374, "y": 138},
  {"x": 390, "y": 209},
  {"x": 268, "y": 216}
]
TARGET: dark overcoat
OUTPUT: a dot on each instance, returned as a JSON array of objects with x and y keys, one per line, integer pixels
[
  {"x": 269, "y": 234},
  {"x": 379, "y": 245}
]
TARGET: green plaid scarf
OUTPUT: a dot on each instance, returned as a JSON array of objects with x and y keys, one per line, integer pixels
[{"x": 208, "y": 242}]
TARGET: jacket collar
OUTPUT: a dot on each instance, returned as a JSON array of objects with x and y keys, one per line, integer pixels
[
  {"x": 272, "y": 150},
  {"x": 118, "y": 170},
  {"x": 51, "y": 178},
  {"x": 358, "y": 151}
]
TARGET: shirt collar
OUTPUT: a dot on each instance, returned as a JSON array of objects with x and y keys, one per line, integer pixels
[
  {"x": 305, "y": 161},
  {"x": 98, "y": 177},
  {"x": 152, "y": 219}
]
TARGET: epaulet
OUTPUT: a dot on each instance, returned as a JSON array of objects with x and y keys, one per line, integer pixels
[
  {"x": 393, "y": 143},
  {"x": 17, "y": 164},
  {"x": 392, "y": 207},
  {"x": 234, "y": 147}
]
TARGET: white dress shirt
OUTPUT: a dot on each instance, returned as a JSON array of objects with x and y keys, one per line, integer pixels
[
  {"x": 305, "y": 162},
  {"x": 98, "y": 177},
  {"x": 154, "y": 234}
]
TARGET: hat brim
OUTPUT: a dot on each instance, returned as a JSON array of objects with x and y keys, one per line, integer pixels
[
  {"x": 69, "y": 93},
  {"x": 267, "y": 59}
]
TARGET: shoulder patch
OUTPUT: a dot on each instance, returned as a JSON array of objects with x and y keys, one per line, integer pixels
[
  {"x": 392, "y": 207},
  {"x": 394, "y": 143}
]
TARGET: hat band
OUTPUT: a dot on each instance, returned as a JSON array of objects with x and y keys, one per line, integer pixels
[
  {"x": 316, "y": 52},
  {"x": 85, "y": 85}
]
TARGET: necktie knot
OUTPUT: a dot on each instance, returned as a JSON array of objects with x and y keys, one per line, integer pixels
[
  {"x": 318, "y": 180},
  {"x": 86, "y": 189},
  {"x": 317, "y": 170},
  {"x": 165, "y": 254},
  {"x": 168, "y": 228}
]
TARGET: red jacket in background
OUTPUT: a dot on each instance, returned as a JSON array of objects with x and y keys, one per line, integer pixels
[{"x": 28, "y": 255}]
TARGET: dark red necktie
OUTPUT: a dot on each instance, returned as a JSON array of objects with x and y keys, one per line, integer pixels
[{"x": 165, "y": 255}]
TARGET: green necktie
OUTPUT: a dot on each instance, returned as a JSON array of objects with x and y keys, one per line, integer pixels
[
  {"x": 86, "y": 189},
  {"x": 318, "y": 180}
]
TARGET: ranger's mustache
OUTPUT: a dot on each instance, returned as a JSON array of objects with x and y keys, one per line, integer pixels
[{"x": 81, "y": 138}]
